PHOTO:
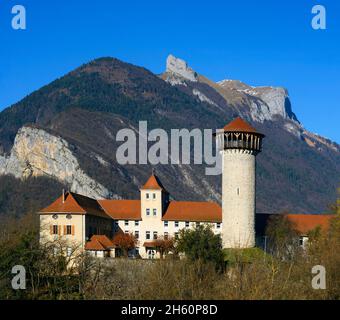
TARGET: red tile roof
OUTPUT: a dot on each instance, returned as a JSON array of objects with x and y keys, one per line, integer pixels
[
  {"x": 75, "y": 204},
  {"x": 176, "y": 211},
  {"x": 99, "y": 243},
  {"x": 307, "y": 222},
  {"x": 153, "y": 183},
  {"x": 239, "y": 125},
  {"x": 122, "y": 209},
  {"x": 193, "y": 211},
  {"x": 151, "y": 244},
  {"x": 94, "y": 245}
]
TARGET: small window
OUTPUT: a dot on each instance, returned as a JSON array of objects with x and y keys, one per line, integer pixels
[
  {"x": 155, "y": 235},
  {"x": 137, "y": 234},
  {"x": 137, "y": 251},
  {"x": 238, "y": 191},
  {"x": 55, "y": 216},
  {"x": 197, "y": 224},
  {"x": 187, "y": 224},
  {"x": 117, "y": 222},
  {"x": 68, "y": 229},
  {"x": 55, "y": 229},
  {"x": 218, "y": 225},
  {"x": 166, "y": 235},
  {"x": 148, "y": 212},
  {"x": 176, "y": 224},
  {"x": 127, "y": 232},
  {"x": 126, "y": 222},
  {"x": 147, "y": 196},
  {"x": 154, "y": 212},
  {"x": 154, "y": 196},
  {"x": 147, "y": 235},
  {"x": 166, "y": 223},
  {"x": 176, "y": 235},
  {"x": 68, "y": 216},
  {"x": 136, "y": 223}
]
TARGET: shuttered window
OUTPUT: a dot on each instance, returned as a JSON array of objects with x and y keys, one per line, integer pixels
[
  {"x": 68, "y": 229},
  {"x": 55, "y": 229}
]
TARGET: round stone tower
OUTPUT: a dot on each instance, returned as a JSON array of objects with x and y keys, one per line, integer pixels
[{"x": 239, "y": 144}]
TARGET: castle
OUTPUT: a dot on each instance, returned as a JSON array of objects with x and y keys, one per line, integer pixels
[{"x": 92, "y": 224}]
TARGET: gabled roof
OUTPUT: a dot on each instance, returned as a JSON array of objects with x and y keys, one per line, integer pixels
[
  {"x": 99, "y": 243},
  {"x": 240, "y": 125},
  {"x": 151, "y": 244},
  {"x": 153, "y": 183},
  {"x": 303, "y": 223},
  {"x": 75, "y": 204},
  {"x": 193, "y": 211},
  {"x": 122, "y": 209}
]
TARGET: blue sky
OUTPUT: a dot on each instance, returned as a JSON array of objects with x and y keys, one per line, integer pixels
[{"x": 261, "y": 42}]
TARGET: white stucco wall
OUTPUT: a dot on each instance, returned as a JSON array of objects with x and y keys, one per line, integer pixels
[
  {"x": 77, "y": 240},
  {"x": 154, "y": 223}
]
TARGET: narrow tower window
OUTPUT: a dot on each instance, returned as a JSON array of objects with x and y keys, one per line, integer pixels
[{"x": 238, "y": 191}]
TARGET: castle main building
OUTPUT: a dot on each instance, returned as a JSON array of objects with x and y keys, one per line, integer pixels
[{"x": 92, "y": 224}]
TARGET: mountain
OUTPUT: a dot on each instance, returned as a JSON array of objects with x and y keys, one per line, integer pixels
[{"x": 64, "y": 134}]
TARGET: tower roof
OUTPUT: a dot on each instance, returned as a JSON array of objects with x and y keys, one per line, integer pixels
[
  {"x": 240, "y": 125},
  {"x": 153, "y": 183}
]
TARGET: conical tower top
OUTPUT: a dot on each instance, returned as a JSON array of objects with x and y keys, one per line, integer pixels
[{"x": 239, "y": 134}]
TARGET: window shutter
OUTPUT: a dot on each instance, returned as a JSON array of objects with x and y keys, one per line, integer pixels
[
  {"x": 65, "y": 231},
  {"x": 51, "y": 229},
  {"x": 59, "y": 230},
  {"x": 72, "y": 228}
]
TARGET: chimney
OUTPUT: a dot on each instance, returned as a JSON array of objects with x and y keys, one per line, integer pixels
[{"x": 63, "y": 196}]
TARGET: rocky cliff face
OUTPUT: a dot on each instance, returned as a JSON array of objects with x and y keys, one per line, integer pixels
[
  {"x": 38, "y": 153},
  {"x": 265, "y": 103},
  {"x": 255, "y": 103},
  {"x": 180, "y": 68}
]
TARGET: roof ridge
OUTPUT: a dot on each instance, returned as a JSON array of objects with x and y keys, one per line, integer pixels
[{"x": 240, "y": 125}]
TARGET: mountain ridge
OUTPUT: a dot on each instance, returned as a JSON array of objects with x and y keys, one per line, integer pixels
[{"x": 88, "y": 106}]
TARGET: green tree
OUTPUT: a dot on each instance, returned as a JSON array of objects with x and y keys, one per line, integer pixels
[{"x": 201, "y": 244}]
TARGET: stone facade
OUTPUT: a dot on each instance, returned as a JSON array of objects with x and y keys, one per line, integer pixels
[{"x": 238, "y": 198}]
